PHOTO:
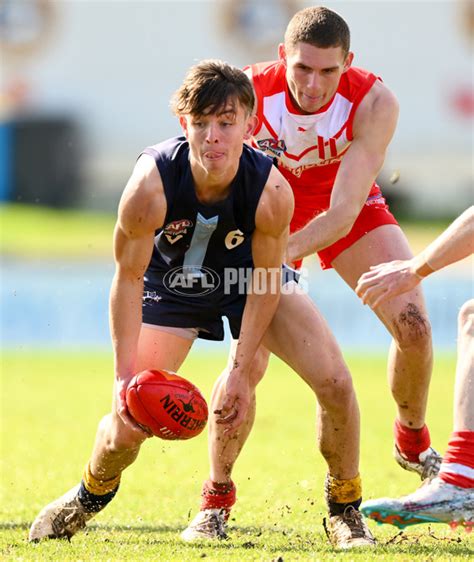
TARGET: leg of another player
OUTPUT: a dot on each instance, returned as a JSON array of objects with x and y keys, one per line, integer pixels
[
  {"x": 457, "y": 468},
  {"x": 411, "y": 355},
  {"x": 464, "y": 386},
  {"x": 450, "y": 497}
]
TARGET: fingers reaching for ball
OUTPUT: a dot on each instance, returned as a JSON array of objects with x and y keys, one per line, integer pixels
[
  {"x": 236, "y": 403},
  {"x": 127, "y": 419}
]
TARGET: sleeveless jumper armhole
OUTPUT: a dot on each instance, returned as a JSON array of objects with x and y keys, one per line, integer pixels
[
  {"x": 258, "y": 97},
  {"x": 361, "y": 93}
]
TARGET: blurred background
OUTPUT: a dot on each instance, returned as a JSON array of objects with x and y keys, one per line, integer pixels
[{"x": 85, "y": 85}]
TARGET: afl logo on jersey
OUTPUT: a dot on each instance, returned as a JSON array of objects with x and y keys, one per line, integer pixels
[
  {"x": 191, "y": 281},
  {"x": 274, "y": 146},
  {"x": 175, "y": 230}
]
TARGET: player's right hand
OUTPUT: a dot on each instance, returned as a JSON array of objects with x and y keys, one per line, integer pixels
[
  {"x": 234, "y": 408},
  {"x": 120, "y": 402}
]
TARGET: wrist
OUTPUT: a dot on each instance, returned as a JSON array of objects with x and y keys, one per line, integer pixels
[
  {"x": 290, "y": 250},
  {"x": 422, "y": 269}
]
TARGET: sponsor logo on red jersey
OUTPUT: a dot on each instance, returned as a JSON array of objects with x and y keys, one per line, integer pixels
[{"x": 276, "y": 147}]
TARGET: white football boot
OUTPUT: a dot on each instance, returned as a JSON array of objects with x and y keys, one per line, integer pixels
[
  {"x": 427, "y": 466},
  {"x": 348, "y": 530},
  {"x": 434, "y": 502},
  {"x": 60, "y": 519},
  {"x": 208, "y": 524}
]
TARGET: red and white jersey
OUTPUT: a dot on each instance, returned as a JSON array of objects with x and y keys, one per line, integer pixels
[{"x": 308, "y": 148}]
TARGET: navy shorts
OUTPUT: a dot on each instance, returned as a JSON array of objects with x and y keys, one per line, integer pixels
[{"x": 205, "y": 313}]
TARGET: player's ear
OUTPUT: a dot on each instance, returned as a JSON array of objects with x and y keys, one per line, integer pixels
[
  {"x": 184, "y": 124},
  {"x": 348, "y": 61},
  {"x": 282, "y": 53},
  {"x": 252, "y": 122}
]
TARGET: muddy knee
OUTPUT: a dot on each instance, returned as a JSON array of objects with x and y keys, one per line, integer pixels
[
  {"x": 411, "y": 328},
  {"x": 336, "y": 392}
]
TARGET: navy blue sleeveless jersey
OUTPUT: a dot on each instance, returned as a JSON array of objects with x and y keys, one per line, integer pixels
[{"x": 201, "y": 247}]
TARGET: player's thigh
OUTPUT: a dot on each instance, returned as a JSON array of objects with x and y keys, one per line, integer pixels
[
  {"x": 158, "y": 349},
  {"x": 384, "y": 243},
  {"x": 301, "y": 337}
]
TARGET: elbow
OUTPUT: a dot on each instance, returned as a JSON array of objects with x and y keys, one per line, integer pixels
[
  {"x": 344, "y": 230},
  {"x": 129, "y": 275},
  {"x": 347, "y": 222}
]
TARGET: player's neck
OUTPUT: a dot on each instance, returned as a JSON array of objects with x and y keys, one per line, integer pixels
[{"x": 212, "y": 187}]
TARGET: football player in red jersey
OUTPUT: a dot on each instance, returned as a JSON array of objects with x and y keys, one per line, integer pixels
[{"x": 328, "y": 126}]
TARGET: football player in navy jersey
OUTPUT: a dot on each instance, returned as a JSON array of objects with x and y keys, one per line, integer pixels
[{"x": 197, "y": 214}]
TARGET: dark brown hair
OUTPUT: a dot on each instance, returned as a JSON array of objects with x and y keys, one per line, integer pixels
[
  {"x": 320, "y": 27},
  {"x": 209, "y": 86}
]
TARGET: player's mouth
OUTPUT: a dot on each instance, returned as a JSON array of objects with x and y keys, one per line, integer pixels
[
  {"x": 313, "y": 99},
  {"x": 213, "y": 155}
]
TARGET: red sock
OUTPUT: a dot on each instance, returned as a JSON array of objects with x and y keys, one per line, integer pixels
[
  {"x": 411, "y": 442},
  {"x": 458, "y": 462},
  {"x": 217, "y": 495}
]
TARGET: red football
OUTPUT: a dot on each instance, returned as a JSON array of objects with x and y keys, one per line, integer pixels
[{"x": 169, "y": 405}]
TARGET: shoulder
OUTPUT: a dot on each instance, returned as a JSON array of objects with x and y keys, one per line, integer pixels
[
  {"x": 142, "y": 208},
  {"x": 379, "y": 107},
  {"x": 168, "y": 151},
  {"x": 276, "y": 205},
  {"x": 379, "y": 99},
  {"x": 256, "y": 158},
  {"x": 266, "y": 74}
]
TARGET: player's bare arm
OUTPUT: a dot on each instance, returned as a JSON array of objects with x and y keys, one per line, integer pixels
[
  {"x": 388, "y": 280},
  {"x": 141, "y": 211},
  {"x": 269, "y": 242},
  {"x": 374, "y": 126}
]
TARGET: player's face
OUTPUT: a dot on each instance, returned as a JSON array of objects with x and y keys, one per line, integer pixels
[
  {"x": 313, "y": 73},
  {"x": 216, "y": 139}
]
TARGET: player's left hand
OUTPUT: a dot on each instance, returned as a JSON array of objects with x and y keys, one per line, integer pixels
[{"x": 236, "y": 401}]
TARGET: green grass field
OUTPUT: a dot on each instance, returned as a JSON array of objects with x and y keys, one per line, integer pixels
[
  {"x": 53, "y": 401},
  {"x": 29, "y": 231}
]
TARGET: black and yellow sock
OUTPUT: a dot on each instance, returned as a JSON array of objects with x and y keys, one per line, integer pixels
[
  {"x": 341, "y": 494},
  {"x": 95, "y": 494}
]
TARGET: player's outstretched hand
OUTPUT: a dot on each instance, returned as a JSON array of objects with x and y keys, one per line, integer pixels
[
  {"x": 122, "y": 410},
  {"x": 236, "y": 402},
  {"x": 385, "y": 281}
]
